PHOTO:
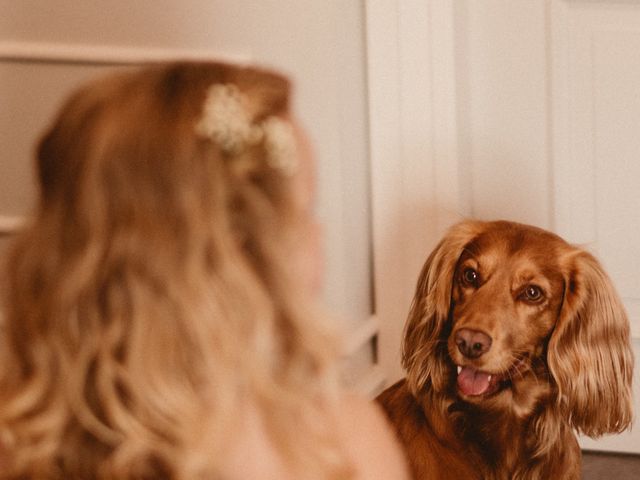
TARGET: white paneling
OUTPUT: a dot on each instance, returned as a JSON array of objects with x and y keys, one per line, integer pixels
[
  {"x": 616, "y": 69},
  {"x": 595, "y": 71},
  {"x": 413, "y": 142},
  {"x": 448, "y": 168},
  {"x": 502, "y": 94},
  {"x": 572, "y": 128},
  {"x": 343, "y": 200},
  {"x": 596, "y": 117},
  {"x": 386, "y": 179}
]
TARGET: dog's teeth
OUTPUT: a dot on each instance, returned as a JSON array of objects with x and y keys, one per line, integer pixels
[
  {"x": 490, "y": 378},
  {"x": 459, "y": 369}
]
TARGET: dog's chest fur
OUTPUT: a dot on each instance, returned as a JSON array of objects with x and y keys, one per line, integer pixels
[{"x": 449, "y": 440}]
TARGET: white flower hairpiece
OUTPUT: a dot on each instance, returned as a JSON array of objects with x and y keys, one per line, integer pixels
[{"x": 226, "y": 121}]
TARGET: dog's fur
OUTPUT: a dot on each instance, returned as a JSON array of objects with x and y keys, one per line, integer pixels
[{"x": 558, "y": 350}]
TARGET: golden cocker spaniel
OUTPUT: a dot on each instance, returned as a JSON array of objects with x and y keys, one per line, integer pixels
[{"x": 515, "y": 341}]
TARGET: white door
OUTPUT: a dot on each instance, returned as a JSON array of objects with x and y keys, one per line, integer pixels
[{"x": 522, "y": 110}]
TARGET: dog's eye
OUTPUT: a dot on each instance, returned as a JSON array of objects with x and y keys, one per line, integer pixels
[
  {"x": 532, "y": 293},
  {"x": 470, "y": 277}
]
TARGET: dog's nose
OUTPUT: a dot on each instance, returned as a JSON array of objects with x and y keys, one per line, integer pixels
[{"x": 472, "y": 343}]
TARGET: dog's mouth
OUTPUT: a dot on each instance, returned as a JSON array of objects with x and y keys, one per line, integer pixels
[
  {"x": 475, "y": 383},
  {"x": 472, "y": 382}
]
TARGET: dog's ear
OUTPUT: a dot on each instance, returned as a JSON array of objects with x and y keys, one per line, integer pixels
[
  {"x": 424, "y": 348},
  {"x": 590, "y": 356}
]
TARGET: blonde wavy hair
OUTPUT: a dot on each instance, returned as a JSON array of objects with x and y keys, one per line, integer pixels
[{"x": 151, "y": 296}]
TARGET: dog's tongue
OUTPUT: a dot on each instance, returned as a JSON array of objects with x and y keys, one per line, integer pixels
[{"x": 472, "y": 381}]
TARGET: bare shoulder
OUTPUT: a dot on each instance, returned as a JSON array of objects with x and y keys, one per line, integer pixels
[{"x": 369, "y": 441}]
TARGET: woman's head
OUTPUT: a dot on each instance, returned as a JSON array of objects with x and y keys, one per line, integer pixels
[
  {"x": 164, "y": 277},
  {"x": 128, "y": 157}
]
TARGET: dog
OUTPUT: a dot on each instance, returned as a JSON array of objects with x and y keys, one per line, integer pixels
[{"x": 515, "y": 341}]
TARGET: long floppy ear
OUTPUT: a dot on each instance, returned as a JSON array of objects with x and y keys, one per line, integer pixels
[
  {"x": 590, "y": 356},
  {"x": 424, "y": 349}
]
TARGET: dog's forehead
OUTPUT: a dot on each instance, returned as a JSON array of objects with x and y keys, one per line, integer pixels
[{"x": 529, "y": 247}]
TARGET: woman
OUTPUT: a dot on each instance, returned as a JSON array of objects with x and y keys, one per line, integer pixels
[{"x": 158, "y": 310}]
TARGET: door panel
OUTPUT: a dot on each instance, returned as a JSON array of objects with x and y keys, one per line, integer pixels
[{"x": 595, "y": 68}]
